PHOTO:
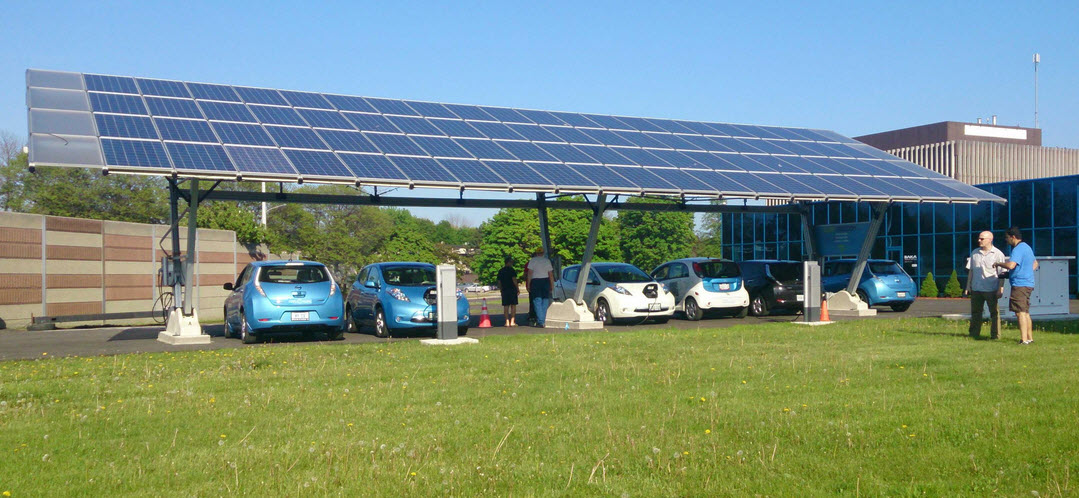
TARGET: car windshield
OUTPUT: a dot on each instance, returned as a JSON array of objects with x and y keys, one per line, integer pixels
[
  {"x": 409, "y": 275},
  {"x": 717, "y": 269},
  {"x": 786, "y": 272},
  {"x": 885, "y": 268},
  {"x": 623, "y": 274},
  {"x": 293, "y": 274}
]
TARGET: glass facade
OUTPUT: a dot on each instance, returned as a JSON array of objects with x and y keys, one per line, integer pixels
[{"x": 925, "y": 238}]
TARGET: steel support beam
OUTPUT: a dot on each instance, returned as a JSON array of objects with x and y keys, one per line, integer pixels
[
  {"x": 879, "y": 210},
  {"x": 589, "y": 248},
  {"x": 545, "y": 233},
  {"x": 809, "y": 236},
  {"x": 192, "y": 251},
  {"x": 174, "y": 220}
]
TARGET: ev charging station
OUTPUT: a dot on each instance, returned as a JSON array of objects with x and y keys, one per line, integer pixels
[
  {"x": 446, "y": 304},
  {"x": 811, "y": 292}
]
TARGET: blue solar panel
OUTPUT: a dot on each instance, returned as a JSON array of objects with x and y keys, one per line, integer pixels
[
  {"x": 607, "y": 177},
  {"x": 758, "y": 131},
  {"x": 223, "y": 111},
  {"x": 727, "y": 130},
  {"x": 431, "y": 109},
  {"x": 720, "y": 182},
  {"x": 889, "y": 187},
  {"x": 347, "y": 140},
  {"x": 571, "y": 135},
  {"x": 608, "y": 122},
  {"x": 395, "y": 144},
  {"x": 185, "y": 130},
  {"x": 175, "y": 108},
  {"x": 260, "y": 96},
  {"x": 260, "y": 160},
  {"x": 875, "y": 168},
  {"x": 465, "y": 111},
  {"x": 318, "y": 163},
  {"x": 202, "y": 157},
  {"x": 120, "y": 104},
  {"x": 683, "y": 180},
  {"x": 535, "y": 133},
  {"x": 780, "y": 164},
  {"x": 566, "y": 153},
  {"x": 791, "y": 183},
  {"x": 111, "y": 125},
  {"x": 672, "y": 126},
  {"x": 904, "y": 168},
  {"x": 641, "y": 157},
  {"x": 526, "y": 151},
  {"x": 607, "y": 137},
  {"x": 736, "y": 145},
  {"x": 371, "y": 122},
  {"x": 372, "y": 167},
  {"x": 423, "y": 169},
  {"x": 163, "y": 88},
  {"x": 646, "y": 178},
  {"x": 456, "y": 128},
  {"x": 346, "y": 103},
  {"x": 326, "y": 119},
  {"x": 277, "y": 115},
  {"x": 673, "y": 141},
  {"x": 496, "y": 130},
  {"x": 441, "y": 147},
  {"x": 698, "y": 127},
  {"x": 541, "y": 117},
  {"x": 516, "y": 173},
  {"x": 676, "y": 158},
  {"x": 563, "y": 176},
  {"x": 753, "y": 182},
  {"x": 242, "y": 134},
  {"x": 206, "y": 91},
  {"x": 414, "y": 126},
  {"x": 639, "y": 124},
  {"x": 506, "y": 115},
  {"x": 300, "y": 138},
  {"x": 830, "y": 165},
  {"x": 823, "y": 135},
  {"x": 705, "y": 143},
  {"x": 472, "y": 171},
  {"x": 116, "y": 84},
  {"x": 306, "y": 99},
  {"x": 868, "y": 151},
  {"x": 769, "y": 146},
  {"x": 390, "y": 106},
  {"x": 748, "y": 163},
  {"x": 800, "y": 149},
  {"x": 485, "y": 149},
  {"x": 605, "y": 155},
  {"x": 786, "y": 133},
  {"x": 147, "y": 154},
  {"x": 827, "y": 185},
  {"x": 574, "y": 119}
]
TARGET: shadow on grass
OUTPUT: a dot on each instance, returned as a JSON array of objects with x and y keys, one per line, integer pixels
[{"x": 1069, "y": 327}]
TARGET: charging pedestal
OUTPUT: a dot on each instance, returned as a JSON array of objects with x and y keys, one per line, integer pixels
[
  {"x": 446, "y": 303},
  {"x": 811, "y": 288}
]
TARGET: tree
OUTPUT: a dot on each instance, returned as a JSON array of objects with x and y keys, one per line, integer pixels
[
  {"x": 510, "y": 232},
  {"x": 953, "y": 289},
  {"x": 929, "y": 287},
  {"x": 408, "y": 244},
  {"x": 569, "y": 235},
  {"x": 223, "y": 215},
  {"x": 649, "y": 238},
  {"x": 710, "y": 234}
]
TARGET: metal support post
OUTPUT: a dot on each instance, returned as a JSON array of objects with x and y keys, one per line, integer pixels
[
  {"x": 809, "y": 238},
  {"x": 175, "y": 261},
  {"x": 879, "y": 210},
  {"x": 589, "y": 248},
  {"x": 183, "y": 325},
  {"x": 545, "y": 233},
  {"x": 192, "y": 233}
]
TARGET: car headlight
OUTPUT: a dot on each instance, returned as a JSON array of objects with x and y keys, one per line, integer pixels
[
  {"x": 397, "y": 294},
  {"x": 619, "y": 289},
  {"x": 459, "y": 294}
]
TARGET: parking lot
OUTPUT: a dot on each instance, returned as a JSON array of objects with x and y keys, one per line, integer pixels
[{"x": 18, "y": 344}]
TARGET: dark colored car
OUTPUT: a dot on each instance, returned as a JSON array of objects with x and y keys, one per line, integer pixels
[{"x": 773, "y": 285}]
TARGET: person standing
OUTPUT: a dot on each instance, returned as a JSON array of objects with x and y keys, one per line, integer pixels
[
  {"x": 1021, "y": 277},
  {"x": 507, "y": 284},
  {"x": 540, "y": 283},
  {"x": 984, "y": 285}
]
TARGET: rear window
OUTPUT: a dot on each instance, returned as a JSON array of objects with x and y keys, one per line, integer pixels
[
  {"x": 786, "y": 272},
  {"x": 623, "y": 274},
  {"x": 717, "y": 269},
  {"x": 409, "y": 275},
  {"x": 886, "y": 268},
  {"x": 285, "y": 274}
]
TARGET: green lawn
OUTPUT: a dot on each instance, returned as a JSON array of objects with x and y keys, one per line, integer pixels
[{"x": 896, "y": 407}]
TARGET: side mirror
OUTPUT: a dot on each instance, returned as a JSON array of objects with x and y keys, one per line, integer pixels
[
  {"x": 227, "y": 286},
  {"x": 370, "y": 284}
]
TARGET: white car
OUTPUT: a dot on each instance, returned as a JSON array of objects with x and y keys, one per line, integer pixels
[
  {"x": 704, "y": 284},
  {"x": 618, "y": 291}
]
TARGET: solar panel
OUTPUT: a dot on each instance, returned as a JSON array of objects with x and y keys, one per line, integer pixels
[{"x": 150, "y": 125}]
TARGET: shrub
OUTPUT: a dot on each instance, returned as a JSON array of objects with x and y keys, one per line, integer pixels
[
  {"x": 929, "y": 287},
  {"x": 953, "y": 289}
]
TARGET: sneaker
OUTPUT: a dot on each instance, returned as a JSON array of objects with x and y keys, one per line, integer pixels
[{"x": 1024, "y": 343}]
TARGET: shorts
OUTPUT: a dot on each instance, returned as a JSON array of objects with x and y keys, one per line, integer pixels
[
  {"x": 509, "y": 297},
  {"x": 1019, "y": 301}
]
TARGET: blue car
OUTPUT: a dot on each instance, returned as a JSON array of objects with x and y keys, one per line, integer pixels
[
  {"x": 397, "y": 297},
  {"x": 883, "y": 282},
  {"x": 283, "y": 297}
]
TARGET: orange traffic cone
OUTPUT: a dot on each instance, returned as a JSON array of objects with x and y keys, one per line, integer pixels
[
  {"x": 485, "y": 319},
  {"x": 824, "y": 311}
]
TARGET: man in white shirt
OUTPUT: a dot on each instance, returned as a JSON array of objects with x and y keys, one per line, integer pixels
[
  {"x": 984, "y": 285},
  {"x": 540, "y": 283}
]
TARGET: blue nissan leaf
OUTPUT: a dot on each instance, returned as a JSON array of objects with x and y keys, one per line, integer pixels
[
  {"x": 283, "y": 297},
  {"x": 398, "y": 296}
]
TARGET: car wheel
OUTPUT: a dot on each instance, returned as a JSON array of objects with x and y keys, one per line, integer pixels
[
  {"x": 759, "y": 307},
  {"x": 741, "y": 312},
  {"x": 462, "y": 330},
  {"x": 603, "y": 312},
  {"x": 693, "y": 311},
  {"x": 228, "y": 329},
  {"x": 350, "y": 323},
  {"x": 246, "y": 335},
  {"x": 899, "y": 308},
  {"x": 864, "y": 297},
  {"x": 381, "y": 328}
]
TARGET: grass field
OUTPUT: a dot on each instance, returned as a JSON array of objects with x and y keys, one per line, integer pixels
[{"x": 896, "y": 407}]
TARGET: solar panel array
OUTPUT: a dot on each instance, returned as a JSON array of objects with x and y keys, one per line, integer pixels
[{"x": 201, "y": 130}]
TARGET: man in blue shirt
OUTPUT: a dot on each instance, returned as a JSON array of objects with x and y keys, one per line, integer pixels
[{"x": 1021, "y": 275}]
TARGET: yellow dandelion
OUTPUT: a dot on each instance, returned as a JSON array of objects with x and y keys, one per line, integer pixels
[
  {"x": 44, "y": 354},
  {"x": 223, "y": 436},
  {"x": 708, "y": 431},
  {"x": 786, "y": 409},
  {"x": 743, "y": 382},
  {"x": 413, "y": 473},
  {"x": 702, "y": 398},
  {"x": 7, "y": 493},
  {"x": 685, "y": 452}
]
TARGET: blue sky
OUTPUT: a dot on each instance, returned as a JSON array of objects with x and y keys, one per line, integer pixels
[{"x": 855, "y": 68}]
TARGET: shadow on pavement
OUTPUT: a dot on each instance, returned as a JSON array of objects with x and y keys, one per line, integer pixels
[{"x": 137, "y": 334}]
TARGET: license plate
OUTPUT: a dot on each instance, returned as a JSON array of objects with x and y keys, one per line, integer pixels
[
  {"x": 799, "y": 297},
  {"x": 901, "y": 294},
  {"x": 431, "y": 315},
  {"x": 724, "y": 286},
  {"x": 654, "y": 307},
  {"x": 301, "y": 316}
]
